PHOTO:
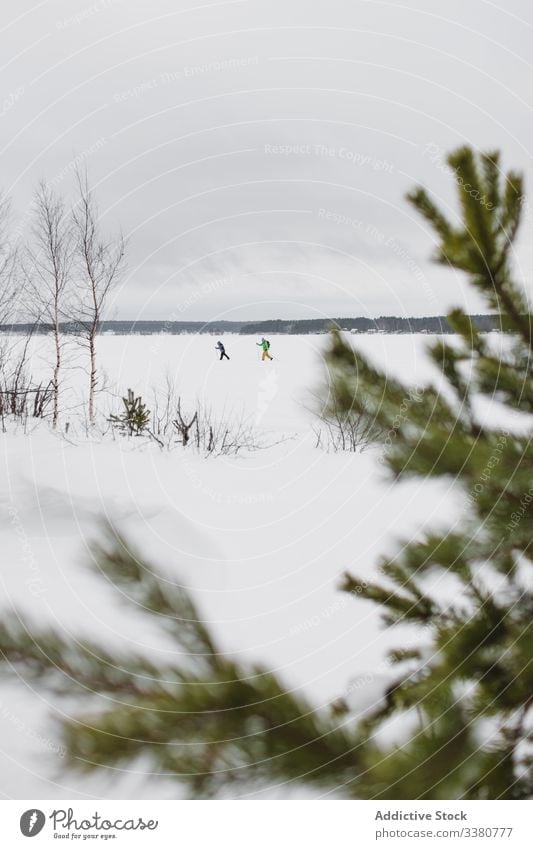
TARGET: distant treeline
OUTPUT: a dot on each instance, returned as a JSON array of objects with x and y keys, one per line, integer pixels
[{"x": 383, "y": 324}]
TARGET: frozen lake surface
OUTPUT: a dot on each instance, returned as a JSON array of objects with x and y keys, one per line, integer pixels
[{"x": 262, "y": 540}]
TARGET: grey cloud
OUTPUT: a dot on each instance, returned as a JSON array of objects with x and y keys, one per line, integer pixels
[{"x": 217, "y": 133}]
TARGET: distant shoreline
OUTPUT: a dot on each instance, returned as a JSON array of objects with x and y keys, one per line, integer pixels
[{"x": 383, "y": 324}]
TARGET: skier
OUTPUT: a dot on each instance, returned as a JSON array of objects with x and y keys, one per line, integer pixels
[
  {"x": 220, "y": 347},
  {"x": 265, "y": 345}
]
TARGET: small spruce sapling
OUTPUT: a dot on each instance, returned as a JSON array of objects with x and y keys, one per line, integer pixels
[{"x": 135, "y": 417}]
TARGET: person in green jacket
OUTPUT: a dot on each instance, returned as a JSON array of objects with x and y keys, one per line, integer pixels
[{"x": 265, "y": 345}]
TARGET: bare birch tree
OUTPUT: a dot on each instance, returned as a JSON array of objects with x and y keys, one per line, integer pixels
[
  {"x": 99, "y": 264},
  {"x": 9, "y": 284},
  {"x": 8, "y": 265},
  {"x": 47, "y": 273}
]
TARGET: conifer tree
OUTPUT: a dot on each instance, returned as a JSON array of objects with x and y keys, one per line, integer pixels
[
  {"x": 463, "y": 684},
  {"x": 471, "y": 678},
  {"x": 135, "y": 417}
]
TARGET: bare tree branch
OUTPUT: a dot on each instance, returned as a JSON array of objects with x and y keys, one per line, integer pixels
[
  {"x": 47, "y": 269},
  {"x": 99, "y": 264}
]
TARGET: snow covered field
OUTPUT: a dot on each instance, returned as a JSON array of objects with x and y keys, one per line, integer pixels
[{"x": 261, "y": 539}]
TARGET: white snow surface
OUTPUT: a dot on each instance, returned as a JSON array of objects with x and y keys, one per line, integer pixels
[{"x": 261, "y": 540}]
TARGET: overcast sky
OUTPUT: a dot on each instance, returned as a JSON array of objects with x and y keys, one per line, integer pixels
[{"x": 257, "y": 152}]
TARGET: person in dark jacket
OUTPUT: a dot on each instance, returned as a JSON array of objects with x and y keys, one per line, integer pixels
[{"x": 220, "y": 347}]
